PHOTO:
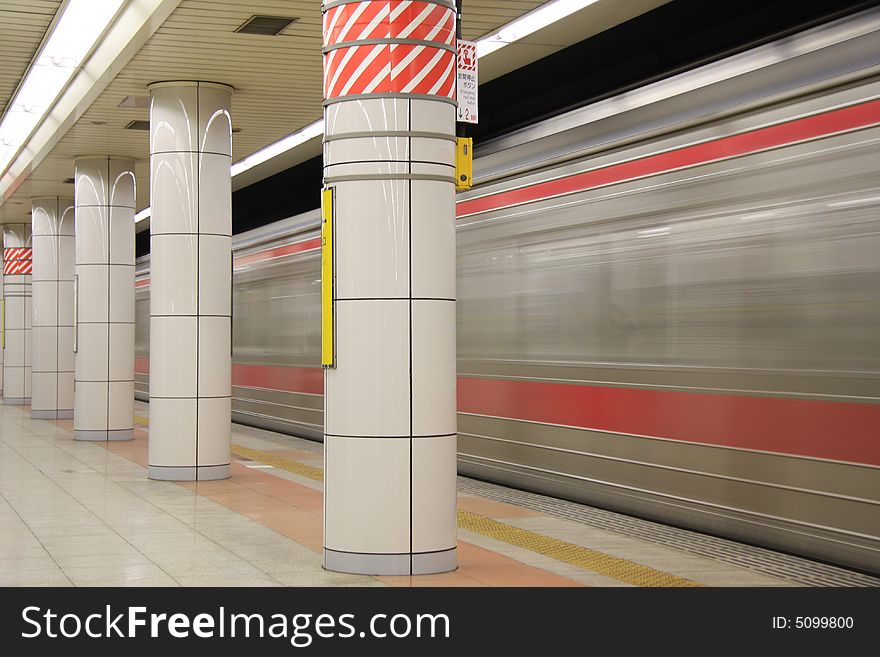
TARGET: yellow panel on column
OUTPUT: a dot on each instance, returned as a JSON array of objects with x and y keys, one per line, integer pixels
[
  {"x": 464, "y": 163},
  {"x": 328, "y": 353}
]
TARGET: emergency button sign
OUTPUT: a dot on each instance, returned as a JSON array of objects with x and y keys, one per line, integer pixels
[{"x": 467, "y": 82}]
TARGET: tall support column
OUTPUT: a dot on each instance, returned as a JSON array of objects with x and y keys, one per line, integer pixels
[
  {"x": 190, "y": 281},
  {"x": 104, "y": 396},
  {"x": 52, "y": 222},
  {"x": 390, "y": 414},
  {"x": 17, "y": 267}
]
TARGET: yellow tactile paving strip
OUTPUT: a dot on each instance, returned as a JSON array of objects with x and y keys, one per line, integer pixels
[
  {"x": 576, "y": 555},
  {"x": 280, "y": 462},
  {"x": 620, "y": 569}
]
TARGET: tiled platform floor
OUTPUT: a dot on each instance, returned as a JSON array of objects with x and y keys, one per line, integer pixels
[{"x": 84, "y": 514}]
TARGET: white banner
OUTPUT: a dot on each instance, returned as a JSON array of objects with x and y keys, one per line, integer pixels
[{"x": 466, "y": 88}]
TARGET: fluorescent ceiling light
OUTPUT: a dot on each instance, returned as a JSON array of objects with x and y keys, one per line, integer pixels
[
  {"x": 281, "y": 146},
  {"x": 549, "y": 13},
  {"x": 538, "y": 19},
  {"x": 75, "y": 34}
]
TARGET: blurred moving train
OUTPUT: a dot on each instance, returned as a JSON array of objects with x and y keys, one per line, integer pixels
[{"x": 668, "y": 302}]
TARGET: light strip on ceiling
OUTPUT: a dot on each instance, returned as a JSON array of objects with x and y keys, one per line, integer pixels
[
  {"x": 281, "y": 146},
  {"x": 76, "y": 32},
  {"x": 522, "y": 27},
  {"x": 545, "y": 15}
]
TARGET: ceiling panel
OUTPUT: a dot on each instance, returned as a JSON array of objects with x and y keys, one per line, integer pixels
[
  {"x": 277, "y": 81},
  {"x": 22, "y": 26}
]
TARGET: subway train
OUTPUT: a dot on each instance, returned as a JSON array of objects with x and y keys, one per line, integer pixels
[{"x": 668, "y": 302}]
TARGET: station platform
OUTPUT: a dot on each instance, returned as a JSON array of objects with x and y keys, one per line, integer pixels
[{"x": 85, "y": 514}]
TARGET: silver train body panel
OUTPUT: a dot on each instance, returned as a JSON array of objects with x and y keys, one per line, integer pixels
[{"x": 753, "y": 277}]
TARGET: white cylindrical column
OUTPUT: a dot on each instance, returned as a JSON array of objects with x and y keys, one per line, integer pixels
[
  {"x": 52, "y": 369},
  {"x": 190, "y": 280},
  {"x": 390, "y": 413},
  {"x": 17, "y": 267},
  {"x": 104, "y": 395}
]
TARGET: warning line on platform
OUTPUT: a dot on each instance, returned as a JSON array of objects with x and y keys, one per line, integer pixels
[
  {"x": 576, "y": 555},
  {"x": 595, "y": 561}
]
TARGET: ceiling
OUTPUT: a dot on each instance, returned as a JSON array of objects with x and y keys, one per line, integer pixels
[
  {"x": 277, "y": 78},
  {"x": 22, "y": 26},
  {"x": 591, "y": 20}
]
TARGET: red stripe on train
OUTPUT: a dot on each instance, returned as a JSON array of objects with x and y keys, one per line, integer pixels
[
  {"x": 823, "y": 429},
  {"x": 791, "y": 132},
  {"x": 308, "y": 380},
  {"x": 278, "y": 252},
  {"x": 839, "y": 431}
]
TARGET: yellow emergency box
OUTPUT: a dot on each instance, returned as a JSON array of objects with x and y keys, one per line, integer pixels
[{"x": 464, "y": 163}]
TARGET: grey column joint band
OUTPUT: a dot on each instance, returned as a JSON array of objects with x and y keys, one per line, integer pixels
[
  {"x": 413, "y": 298},
  {"x": 101, "y": 205},
  {"x": 105, "y": 264},
  {"x": 389, "y": 133},
  {"x": 152, "y": 153},
  {"x": 449, "y": 4},
  {"x": 391, "y": 436},
  {"x": 158, "y": 84},
  {"x": 52, "y": 415},
  {"x": 173, "y": 234},
  {"x": 425, "y": 563},
  {"x": 188, "y": 473},
  {"x": 392, "y": 176},
  {"x": 16, "y": 401},
  {"x": 402, "y": 96},
  {"x": 432, "y": 163},
  {"x": 103, "y": 434},
  {"x": 390, "y": 40}
]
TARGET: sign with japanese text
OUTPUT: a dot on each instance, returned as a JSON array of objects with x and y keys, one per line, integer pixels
[{"x": 466, "y": 89}]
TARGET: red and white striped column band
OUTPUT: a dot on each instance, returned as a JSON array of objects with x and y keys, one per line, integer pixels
[
  {"x": 17, "y": 261},
  {"x": 389, "y": 47}
]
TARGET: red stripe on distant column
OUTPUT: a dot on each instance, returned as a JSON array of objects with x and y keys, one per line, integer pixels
[
  {"x": 359, "y": 55},
  {"x": 427, "y": 83},
  {"x": 440, "y": 15},
  {"x": 377, "y": 73},
  {"x": 822, "y": 429},
  {"x": 141, "y": 365},
  {"x": 811, "y": 127},
  {"x": 358, "y": 29}
]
